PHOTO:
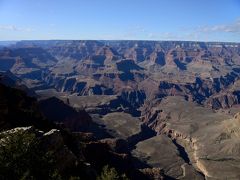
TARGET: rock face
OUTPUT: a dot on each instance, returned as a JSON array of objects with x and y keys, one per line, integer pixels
[
  {"x": 59, "y": 112},
  {"x": 209, "y": 139},
  {"x": 166, "y": 159}
]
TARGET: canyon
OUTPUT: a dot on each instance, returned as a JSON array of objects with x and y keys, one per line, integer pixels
[{"x": 172, "y": 106}]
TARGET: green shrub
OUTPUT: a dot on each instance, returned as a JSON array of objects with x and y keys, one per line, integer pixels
[
  {"x": 110, "y": 174},
  {"x": 22, "y": 158},
  {"x": 74, "y": 178}
]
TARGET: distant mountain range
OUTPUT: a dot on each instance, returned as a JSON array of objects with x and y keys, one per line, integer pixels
[{"x": 199, "y": 71}]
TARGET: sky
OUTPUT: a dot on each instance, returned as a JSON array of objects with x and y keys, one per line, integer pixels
[{"x": 194, "y": 20}]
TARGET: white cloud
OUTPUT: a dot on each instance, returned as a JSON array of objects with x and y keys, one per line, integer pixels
[
  {"x": 15, "y": 28},
  {"x": 8, "y": 27},
  {"x": 229, "y": 28}
]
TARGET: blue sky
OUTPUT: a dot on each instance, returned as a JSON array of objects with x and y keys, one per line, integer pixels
[{"x": 201, "y": 20}]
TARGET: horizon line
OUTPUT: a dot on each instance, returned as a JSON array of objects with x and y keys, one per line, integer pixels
[{"x": 199, "y": 41}]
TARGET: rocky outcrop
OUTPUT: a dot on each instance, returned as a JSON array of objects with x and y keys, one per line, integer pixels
[
  {"x": 127, "y": 65},
  {"x": 154, "y": 173},
  {"x": 158, "y": 58},
  {"x": 224, "y": 100}
]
